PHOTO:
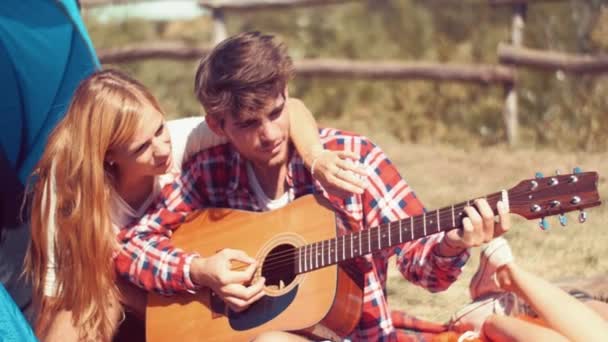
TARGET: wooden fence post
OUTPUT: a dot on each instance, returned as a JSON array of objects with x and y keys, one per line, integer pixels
[
  {"x": 219, "y": 25},
  {"x": 511, "y": 102}
]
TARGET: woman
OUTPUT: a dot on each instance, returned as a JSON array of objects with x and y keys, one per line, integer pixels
[
  {"x": 103, "y": 165},
  {"x": 512, "y": 304}
]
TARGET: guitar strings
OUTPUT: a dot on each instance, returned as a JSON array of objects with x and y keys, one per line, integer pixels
[{"x": 288, "y": 258}]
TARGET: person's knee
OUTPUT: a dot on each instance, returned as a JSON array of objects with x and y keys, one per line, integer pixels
[
  {"x": 271, "y": 336},
  {"x": 277, "y": 336},
  {"x": 492, "y": 326}
]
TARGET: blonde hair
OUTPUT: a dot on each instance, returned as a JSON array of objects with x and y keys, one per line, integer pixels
[{"x": 104, "y": 114}]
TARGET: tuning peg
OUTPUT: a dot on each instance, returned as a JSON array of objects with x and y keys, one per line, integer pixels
[
  {"x": 582, "y": 216},
  {"x": 544, "y": 224},
  {"x": 563, "y": 220},
  {"x": 538, "y": 175},
  {"x": 577, "y": 170}
]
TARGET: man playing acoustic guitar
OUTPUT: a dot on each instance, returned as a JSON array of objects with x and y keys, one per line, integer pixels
[{"x": 242, "y": 85}]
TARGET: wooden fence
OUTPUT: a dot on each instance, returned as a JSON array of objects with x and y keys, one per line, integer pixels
[{"x": 510, "y": 56}]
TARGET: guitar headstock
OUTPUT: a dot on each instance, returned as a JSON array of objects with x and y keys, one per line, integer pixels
[{"x": 546, "y": 196}]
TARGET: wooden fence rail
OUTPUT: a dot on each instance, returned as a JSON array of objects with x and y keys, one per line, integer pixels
[
  {"x": 263, "y": 4},
  {"x": 98, "y": 3},
  {"x": 518, "y": 2},
  {"x": 158, "y": 50},
  {"x": 333, "y": 68},
  {"x": 399, "y": 70},
  {"x": 227, "y": 4},
  {"x": 551, "y": 60},
  {"x": 232, "y": 5}
]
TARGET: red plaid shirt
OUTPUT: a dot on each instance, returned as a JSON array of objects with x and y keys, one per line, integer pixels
[{"x": 217, "y": 177}]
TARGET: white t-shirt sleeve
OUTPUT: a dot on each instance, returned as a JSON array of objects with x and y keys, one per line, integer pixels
[{"x": 189, "y": 136}]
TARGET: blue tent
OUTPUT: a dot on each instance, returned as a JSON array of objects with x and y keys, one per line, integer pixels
[
  {"x": 45, "y": 52},
  {"x": 13, "y": 326}
]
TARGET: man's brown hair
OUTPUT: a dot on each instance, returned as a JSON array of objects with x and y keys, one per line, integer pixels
[{"x": 241, "y": 74}]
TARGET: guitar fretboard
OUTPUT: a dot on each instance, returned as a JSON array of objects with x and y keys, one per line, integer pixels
[{"x": 328, "y": 252}]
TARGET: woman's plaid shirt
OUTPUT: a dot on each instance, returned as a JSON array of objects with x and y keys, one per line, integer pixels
[{"x": 217, "y": 177}]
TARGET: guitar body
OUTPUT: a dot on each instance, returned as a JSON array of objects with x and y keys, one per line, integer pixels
[{"x": 325, "y": 303}]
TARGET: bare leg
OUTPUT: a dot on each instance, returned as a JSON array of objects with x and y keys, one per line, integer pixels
[
  {"x": 279, "y": 336},
  {"x": 599, "y": 307},
  {"x": 562, "y": 312},
  {"x": 508, "y": 329}
]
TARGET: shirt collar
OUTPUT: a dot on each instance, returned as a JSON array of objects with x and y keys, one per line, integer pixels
[
  {"x": 297, "y": 177},
  {"x": 238, "y": 171}
]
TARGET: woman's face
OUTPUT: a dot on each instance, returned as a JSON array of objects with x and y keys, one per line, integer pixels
[{"x": 149, "y": 152}]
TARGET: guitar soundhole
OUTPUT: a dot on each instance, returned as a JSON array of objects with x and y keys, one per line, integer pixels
[{"x": 279, "y": 267}]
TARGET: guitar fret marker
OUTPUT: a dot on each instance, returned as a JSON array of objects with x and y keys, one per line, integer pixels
[
  {"x": 322, "y": 255},
  {"x": 309, "y": 256},
  {"x": 316, "y": 257},
  {"x": 343, "y": 247},
  {"x": 438, "y": 228},
  {"x": 424, "y": 223},
  {"x": 412, "y": 227},
  {"x": 505, "y": 199},
  {"x": 312, "y": 257},
  {"x": 336, "y": 249}
]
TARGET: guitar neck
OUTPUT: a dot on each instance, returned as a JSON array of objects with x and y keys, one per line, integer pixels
[{"x": 328, "y": 252}]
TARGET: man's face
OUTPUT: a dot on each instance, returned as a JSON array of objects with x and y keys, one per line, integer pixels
[{"x": 262, "y": 137}]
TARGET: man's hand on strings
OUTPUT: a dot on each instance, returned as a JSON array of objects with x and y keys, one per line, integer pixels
[
  {"x": 233, "y": 286},
  {"x": 480, "y": 225}
]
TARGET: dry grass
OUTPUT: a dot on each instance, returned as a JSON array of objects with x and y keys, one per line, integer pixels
[{"x": 442, "y": 175}]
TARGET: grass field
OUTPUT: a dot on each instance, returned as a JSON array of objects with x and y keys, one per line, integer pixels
[{"x": 442, "y": 175}]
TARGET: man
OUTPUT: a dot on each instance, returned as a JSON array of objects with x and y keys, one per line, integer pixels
[
  {"x": 242, "y": 84},
  {"x": 44, "y": 53}
]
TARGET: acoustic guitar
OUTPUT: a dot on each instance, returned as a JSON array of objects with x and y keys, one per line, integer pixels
[{"x": 312, "y": 286}]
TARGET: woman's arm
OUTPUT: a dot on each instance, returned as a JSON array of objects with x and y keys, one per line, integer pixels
[
  {"x": 562, "y": 312},
  {"x": 504, "y": 328},
  {"x": 334, "y": 169}
]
